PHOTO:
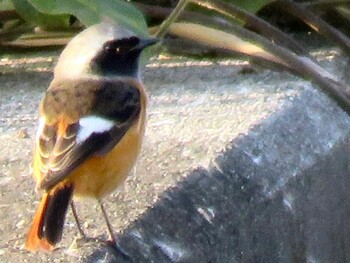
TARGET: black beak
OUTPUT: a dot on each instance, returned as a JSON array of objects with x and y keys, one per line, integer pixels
[{"x": 145, "y": 43}]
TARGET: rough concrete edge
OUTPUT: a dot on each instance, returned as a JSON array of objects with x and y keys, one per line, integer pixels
[{"x": 187, "y": 220}]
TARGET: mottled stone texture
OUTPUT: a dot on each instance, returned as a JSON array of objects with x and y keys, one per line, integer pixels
[{"x": 278, "y": 194}]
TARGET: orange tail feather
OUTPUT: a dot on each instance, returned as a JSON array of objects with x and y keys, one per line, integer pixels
[
  {"x": 34, "y": 242},
  {"x": 46, "y": 229}
]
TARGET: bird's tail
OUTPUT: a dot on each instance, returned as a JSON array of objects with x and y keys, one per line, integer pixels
[{"x": 46, "y": 229}]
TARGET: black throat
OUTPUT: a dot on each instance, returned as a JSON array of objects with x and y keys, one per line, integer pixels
[{"x": 117, "y": 58}]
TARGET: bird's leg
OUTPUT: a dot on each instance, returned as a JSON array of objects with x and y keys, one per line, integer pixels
[
  {"x": 110, "y": 230},
  {"x": 75, "y": 215},
  {"x": 109, "y": 226}
]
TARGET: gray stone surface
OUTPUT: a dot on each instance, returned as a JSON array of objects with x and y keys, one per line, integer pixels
[
  {"x": 238, "y": 165},
  {"x": 277, "y": 194}
]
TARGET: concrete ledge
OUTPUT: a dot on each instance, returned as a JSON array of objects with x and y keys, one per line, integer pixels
[
  {"x": 278, "y": 194},
  {"x": 238, "y": 166}
]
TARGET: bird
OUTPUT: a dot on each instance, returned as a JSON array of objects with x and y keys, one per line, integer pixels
[{"x": 91, "y": 127}]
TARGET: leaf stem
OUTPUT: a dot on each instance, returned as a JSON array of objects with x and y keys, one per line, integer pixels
[
  {"x": 326, "y": 3},
  {"x": 264, "y": 28},
  {"x": 315, "y": 22},
  {"x": 171, "y": 18}
]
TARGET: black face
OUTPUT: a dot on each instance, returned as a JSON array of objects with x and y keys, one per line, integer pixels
[{"x": 118, "y": 57}]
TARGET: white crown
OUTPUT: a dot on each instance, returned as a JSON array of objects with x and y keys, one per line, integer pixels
[{"x": 74, "y": 60}]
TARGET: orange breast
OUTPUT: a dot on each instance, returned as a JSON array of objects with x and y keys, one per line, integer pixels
[{"x": 100, "y": 175}]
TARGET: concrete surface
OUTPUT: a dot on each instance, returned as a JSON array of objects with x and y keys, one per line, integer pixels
[
  {"x": 238, "y": 166},
  {"x": 278, "y": 194}
]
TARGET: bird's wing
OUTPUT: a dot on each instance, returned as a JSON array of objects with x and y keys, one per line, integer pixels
[{"x": 72, "y": 130}]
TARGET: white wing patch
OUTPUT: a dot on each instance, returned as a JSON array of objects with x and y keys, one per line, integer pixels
[
  {"x": 42, "y": 123},
  {"x": 92, "y": 124}
]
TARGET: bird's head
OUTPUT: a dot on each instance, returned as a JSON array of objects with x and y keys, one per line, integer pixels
[{"x": 105, "y": 49}]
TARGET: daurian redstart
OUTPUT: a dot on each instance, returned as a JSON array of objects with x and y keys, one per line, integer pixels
[{"x": 92, "y": 122}]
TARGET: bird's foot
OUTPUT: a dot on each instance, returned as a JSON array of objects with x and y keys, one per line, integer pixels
[{"x": 113, "y": 244}]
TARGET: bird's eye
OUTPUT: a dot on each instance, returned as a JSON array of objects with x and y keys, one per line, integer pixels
[{"x": 112, "y": 49}]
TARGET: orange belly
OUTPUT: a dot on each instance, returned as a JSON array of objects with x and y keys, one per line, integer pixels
[{"x": 100, "y": 175}]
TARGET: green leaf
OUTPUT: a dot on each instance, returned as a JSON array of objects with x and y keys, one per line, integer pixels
[
  {"x": 91, "y": 12},
  {"x": 344, "y": 11},
  {"x": 48, "y": 22},
  {"x": 6, "y": 5}
]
